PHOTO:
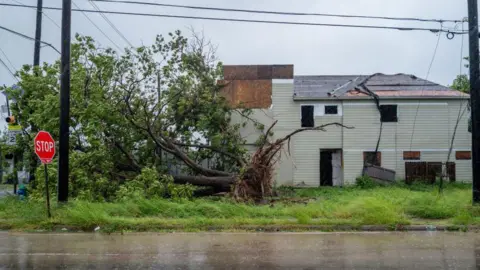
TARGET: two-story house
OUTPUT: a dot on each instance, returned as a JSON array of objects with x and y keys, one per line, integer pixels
[{"x": 396, "y": 120}]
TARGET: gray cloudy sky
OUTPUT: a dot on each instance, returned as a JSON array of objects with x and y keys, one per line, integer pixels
[{"x": 313, "y": 50}]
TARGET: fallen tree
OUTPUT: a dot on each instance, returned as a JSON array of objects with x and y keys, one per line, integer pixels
[{"x": 152, "y": 107}]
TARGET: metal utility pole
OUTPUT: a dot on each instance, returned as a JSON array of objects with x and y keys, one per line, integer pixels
[
  {"x": 38, "y": 34},
  {"x": 64, "y": 103},
  {"x": 474, "y": 96}
]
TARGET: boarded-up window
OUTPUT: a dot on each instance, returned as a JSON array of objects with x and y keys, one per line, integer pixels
[
  {"x": 369, "y": 158},
  {"x": 388, "y": 113},
  {"x": 451, "y": 171},
  {"x": 307, "y": 116},
  {"x": 415, "y": 171},
  {"x": 427, "y": 171},
  {"x": 463, "y": 155},
  {"x": 411, "y": 155}
]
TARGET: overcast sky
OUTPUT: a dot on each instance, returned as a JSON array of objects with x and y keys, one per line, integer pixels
[{"x": 313, "y": 50}]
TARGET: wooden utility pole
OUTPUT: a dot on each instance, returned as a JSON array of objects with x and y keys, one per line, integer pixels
[
  {"x": 38, "y": 34},
  {"x": 474, "y": 96},
  {"x": 64, "y": 103}
]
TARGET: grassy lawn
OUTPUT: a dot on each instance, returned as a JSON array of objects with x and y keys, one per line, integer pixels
[{"x": 398, "y": 205}]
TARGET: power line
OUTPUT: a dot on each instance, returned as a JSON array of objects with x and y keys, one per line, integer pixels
[
  {"x": 8, "y": 60},
  {"x": 44, "y": 14},
  {"x": 460, "y": 113},
  {"x": 433, "y": 30},
  {"x": 110, "y": 23},
  {"x": 425, "y": 82},
  {"x": 8, "y": 69},
  {"x": 98, "y": 28},
  {"x": 278, "y": 12},
  {"x": 27, "y": 37}
]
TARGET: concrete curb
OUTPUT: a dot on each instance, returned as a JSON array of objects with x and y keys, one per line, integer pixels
[{"x": 274, "y": 228}]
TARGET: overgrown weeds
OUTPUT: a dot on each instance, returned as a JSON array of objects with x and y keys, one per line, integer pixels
[{"x": 394, "y": 205}]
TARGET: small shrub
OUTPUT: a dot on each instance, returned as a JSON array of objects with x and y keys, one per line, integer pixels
[{"x": 365, "y": 182}]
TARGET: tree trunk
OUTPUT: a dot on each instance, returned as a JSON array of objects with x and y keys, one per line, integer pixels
[{"x": 219, "y": 183}]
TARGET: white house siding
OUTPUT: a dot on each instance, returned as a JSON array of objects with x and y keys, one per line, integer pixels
[
  {"x": 280, "y": 110},
  {"x": 434, "y": 125}
]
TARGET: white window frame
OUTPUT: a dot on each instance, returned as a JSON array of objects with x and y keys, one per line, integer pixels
[{"x": 319, "y": 109}]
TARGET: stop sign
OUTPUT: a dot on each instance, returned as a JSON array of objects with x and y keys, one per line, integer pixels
[{"x": 44, "y": 147}]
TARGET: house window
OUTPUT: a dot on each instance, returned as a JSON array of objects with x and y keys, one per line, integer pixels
[
  {"x": 307, "y": 116},
  {"x": 463, "y": 155},
  {"x": 411, "y": 155},
  {"x": 371, "y": 159},
  {"x": 388, "y": 113},
  {"x": 331, "y": 109}
]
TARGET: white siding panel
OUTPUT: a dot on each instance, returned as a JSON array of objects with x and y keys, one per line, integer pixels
[
  {"x": 352, "y": 166},
  {"x": 463, "y": 170}
]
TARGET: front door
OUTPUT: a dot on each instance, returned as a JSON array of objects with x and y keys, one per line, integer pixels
[{"x": 337, "y": 176}]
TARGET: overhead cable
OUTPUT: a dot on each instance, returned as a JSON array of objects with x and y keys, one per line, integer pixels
[
  {"x": 433, "y": 30},
  {"x": 8, "y": 69},
  {"x": 278, "y": 12},
  {"x": 44, "y": 14},
  {"x": 30, "y": 38},
  {"x": 110, "y": 23},
  {"x": 423, "y": 87},
  {"x": 8, "y": 60},
  {"x": 98, "y": 28}
]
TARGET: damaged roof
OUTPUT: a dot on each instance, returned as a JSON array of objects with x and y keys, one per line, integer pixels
[{"x": 345, "y": 86}]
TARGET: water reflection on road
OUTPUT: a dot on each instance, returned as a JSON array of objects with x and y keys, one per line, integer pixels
[{"x": 426, "y": 250}]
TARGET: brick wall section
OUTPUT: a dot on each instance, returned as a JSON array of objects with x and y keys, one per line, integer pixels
[{"x": 250, "y": 86}]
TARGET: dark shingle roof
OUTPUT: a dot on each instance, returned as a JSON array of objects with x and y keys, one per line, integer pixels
[{"x": 338, "y": 86}]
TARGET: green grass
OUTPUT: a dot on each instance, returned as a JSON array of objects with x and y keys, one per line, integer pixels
[{"x": 396, "y": 205}]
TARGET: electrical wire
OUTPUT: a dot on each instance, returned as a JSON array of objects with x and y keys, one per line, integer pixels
[
  {"x": 111, "y": 24},
  {"x": 98, "y": 28},
  {"x": 460, "y": 113},
  {"x": 43, "y": 13},
  {"x": 30, "y": 38},
  {"x": 6, "y": 57},
  {"x": 425, "y": 82},
  {"x": 433, "y": 30},
  {"x": 8, "y": 69},
  {"x": 276, "y": 12}
]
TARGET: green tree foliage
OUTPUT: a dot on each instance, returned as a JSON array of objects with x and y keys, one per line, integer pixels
[
  {"x": 461, "y": 83},
  {"x": 132, "y": 115}
]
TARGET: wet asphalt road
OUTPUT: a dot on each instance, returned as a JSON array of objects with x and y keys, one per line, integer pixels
[{"x": 426, "y": 250}]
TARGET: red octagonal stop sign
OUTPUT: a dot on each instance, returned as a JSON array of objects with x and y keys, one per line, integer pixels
[{"x": 44, "y": 146}]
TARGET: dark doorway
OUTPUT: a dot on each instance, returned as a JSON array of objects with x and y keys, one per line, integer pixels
[{"x": 326, "y": 169}]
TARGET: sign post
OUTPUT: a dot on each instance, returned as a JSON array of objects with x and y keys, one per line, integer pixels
[{"x": 45, "y": 149}]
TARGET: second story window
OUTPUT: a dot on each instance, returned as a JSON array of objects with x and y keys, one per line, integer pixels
[
  {"x": 388, "y": 113},
  {"x": 307, "y": 116},
  {"x": 331, "y": 109}
]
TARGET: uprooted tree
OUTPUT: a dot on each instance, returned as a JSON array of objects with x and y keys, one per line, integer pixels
[{"x": 135, "y": 115}]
